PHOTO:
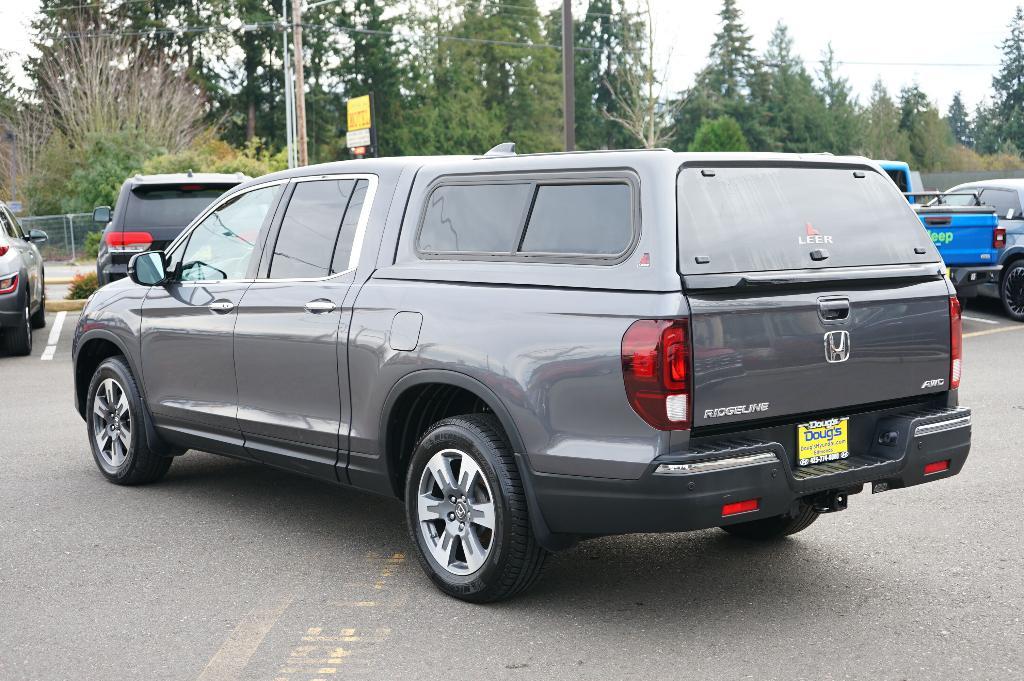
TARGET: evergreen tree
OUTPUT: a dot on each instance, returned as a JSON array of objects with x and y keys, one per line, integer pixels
[
  {"x": 927, "y": 136},
  {"x": 883, "y": 138},
  {"x": 959, "y": 125},
  {"x": 605, "y": 52},
  {"x": 1009, "y": 84},
  {"x": 985, "y": 129},
  {"x": 733, "y": 83},
  {"x": 520, "y": 84},
  {"x": 374, "y": 66},
  {"x": 795, "y": 111},
  {"x": 843, "y": 129}
]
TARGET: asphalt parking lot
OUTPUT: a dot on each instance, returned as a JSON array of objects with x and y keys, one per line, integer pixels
[{"x": 227, "y": 570}]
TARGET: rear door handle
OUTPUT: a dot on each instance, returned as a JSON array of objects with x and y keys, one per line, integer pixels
[
  {"x": 221, "y": 306},
  {"x": 318, "y": 306}
]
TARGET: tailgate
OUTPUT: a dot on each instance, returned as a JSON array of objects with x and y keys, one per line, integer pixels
[
  {"x": 963, "y": 235},
  {"x": 767, "y": 353}
]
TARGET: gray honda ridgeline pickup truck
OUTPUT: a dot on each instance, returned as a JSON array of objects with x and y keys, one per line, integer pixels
[{"x": 528, "y": 350}]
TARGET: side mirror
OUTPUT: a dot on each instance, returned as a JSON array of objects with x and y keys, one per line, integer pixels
[
  {"x": 101, "y": 215},
  {"x": 37, "y": 236},
  {"x": 148, "y": 269}
]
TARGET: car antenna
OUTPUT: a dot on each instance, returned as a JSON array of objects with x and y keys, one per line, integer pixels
[{"x": 189, "y": 172}]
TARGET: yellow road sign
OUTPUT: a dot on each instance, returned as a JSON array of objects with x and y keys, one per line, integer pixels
[{"x": 359, "y": 113}]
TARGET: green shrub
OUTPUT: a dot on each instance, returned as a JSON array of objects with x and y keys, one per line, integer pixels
[
  {"x": 82, "y": 286},
  {"x": 91, "y": 247},
  {"x": 719, "y": 134}
]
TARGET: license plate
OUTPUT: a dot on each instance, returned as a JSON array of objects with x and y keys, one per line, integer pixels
[{"x": 821, "y": 441}]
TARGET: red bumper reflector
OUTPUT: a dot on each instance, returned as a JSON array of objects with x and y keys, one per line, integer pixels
[
  {"x": 936, "y": 467},
  {"x": 741, "y": 507}
]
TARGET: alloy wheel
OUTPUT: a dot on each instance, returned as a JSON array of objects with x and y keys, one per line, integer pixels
[
  {"x": 1013, "y": 290},
  {"x": 112, "y": 422},
  {"x": 455, "y": 512}
]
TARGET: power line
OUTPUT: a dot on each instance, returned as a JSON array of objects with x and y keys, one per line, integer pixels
[
  {"x": 916, "y": 63},
  {"x": 274, "y": 25}
]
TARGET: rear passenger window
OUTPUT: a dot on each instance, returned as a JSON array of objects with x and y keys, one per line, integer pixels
[
  {"x": 318, "y": 229},
  {"x": 481, "y": 218},
  {"x": 1002, "y": 200},
  {"x": 529, "y": 219},
  {"x": 590, "y": 219}
]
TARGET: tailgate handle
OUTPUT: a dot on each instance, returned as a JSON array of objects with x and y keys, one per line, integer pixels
[
  {"x": 938, "y": 222},
  {"x": 834, "y": 309}
]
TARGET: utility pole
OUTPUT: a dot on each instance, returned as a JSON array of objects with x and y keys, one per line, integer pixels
[
  {"x": 289, "y": 109},
  {"x": 300, "y": 94},
  {"x": 568, "y": 77}
]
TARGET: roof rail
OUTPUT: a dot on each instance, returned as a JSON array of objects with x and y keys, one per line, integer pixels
[{"x": 503, "y": 149}]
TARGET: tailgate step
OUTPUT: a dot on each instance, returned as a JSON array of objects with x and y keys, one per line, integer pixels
[{"x": 836, "y": 467}]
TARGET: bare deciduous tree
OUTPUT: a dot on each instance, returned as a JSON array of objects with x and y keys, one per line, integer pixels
[
  {"x": 640, "y": 107},
  {"x": 109, "y": 84}
]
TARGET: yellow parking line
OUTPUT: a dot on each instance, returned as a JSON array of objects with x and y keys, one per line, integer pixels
[
  {"x": 1001, "y": 329},
  {"x": 230, "y": 660}
]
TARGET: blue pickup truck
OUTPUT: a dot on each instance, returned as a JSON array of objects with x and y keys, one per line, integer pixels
[{"x": 966, "y": 232}]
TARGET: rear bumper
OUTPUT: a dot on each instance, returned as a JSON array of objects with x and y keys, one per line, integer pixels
[
  {"x": 689, "y": 494},
  {"x": 966, "y": 280}
]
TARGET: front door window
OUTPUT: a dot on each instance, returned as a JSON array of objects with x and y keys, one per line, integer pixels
[{"x": 222, "y": 245}]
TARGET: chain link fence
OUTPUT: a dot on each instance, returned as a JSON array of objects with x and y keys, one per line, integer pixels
[{"x": 67, "y": 235}]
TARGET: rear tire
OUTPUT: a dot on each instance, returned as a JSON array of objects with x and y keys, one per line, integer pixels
[
  {"x": 18, "y": 338},
  {"x": 1011, "y": 290},
  {"x": 116, "y": 427},
  {"x": 39, "y": 318},
  {"x": 768, "y": 529},
  {"x": 480, "y": 547}
]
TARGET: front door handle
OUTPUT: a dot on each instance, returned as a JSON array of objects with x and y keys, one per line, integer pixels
[
  {"x": 318, "y": 306},
  {"x": 221, "y": 306}
]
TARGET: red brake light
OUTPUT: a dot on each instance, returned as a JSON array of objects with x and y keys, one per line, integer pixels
[
  {"x": 10, "y": 284},
  {"x": 129, "y": 241},
  {"x": 3, "y": 249},
  {"x": 956, "y": 342},
  {"x": 999, "y": 238},
  {"x": 936, "y": 467},
  {"x": 190, "y": 187},
  {"x": 740, "y": 507},
  {"x": 656, "y": 372}
]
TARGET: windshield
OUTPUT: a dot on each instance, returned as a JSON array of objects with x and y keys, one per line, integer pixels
[
  {"x": 762, "y": 218},
  {"x": 150, "y": 207}
]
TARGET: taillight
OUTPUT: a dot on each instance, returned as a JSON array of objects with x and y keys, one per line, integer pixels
[
  {"x": 999, "y": 238},
  {"x": 9, "y": 284},
  {"x": 956, "y": 342},
  {"x": 3, "y": 249},
  {"x": 656, "y": 372},
  {"x": 129, "y": 242}
]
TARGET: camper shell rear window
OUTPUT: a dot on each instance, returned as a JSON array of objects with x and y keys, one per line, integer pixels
[{"x": 767, "y": 217}]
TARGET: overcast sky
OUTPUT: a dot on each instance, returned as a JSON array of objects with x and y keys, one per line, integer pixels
[{"x": 943, "y": 45}]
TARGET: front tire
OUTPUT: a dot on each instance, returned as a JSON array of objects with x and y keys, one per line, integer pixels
[
  {"x": 467, "y": 512},
  {"x": 116, "y": 427},
  {"x": 777, "y": 527},
  {"x": 1011, "y": 291}
]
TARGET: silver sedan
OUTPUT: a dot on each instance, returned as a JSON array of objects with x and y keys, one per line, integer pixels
[{"x": 22, "y": 294}]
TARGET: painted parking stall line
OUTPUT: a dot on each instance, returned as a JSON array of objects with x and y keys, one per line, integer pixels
[
  {"x": 51, "y": 342},
  {"x": 983, "y": 320}
]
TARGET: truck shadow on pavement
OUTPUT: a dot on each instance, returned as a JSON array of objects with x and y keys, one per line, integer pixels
[{"x": 680, "y": 579}]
